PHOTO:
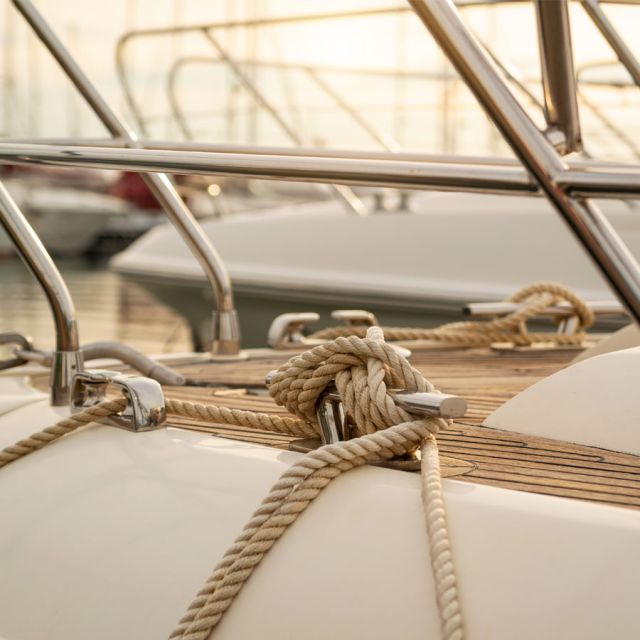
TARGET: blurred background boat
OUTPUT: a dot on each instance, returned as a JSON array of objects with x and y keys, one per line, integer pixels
[{"x": 262, "y": 73}]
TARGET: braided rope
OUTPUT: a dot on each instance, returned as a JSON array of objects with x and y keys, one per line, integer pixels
[
  {"x": 62, "y": 428},
  {"x": 239, "y": 418},
  {"x": 362, "y": 369},
  {"x": 439, "y": 543},
  {"x": 510, "y": 328}
]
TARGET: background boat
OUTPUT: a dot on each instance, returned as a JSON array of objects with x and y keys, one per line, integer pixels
[{"x": 416, "y": 266}]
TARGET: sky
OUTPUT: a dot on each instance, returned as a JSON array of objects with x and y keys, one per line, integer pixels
[{"x": 406, "y": 100}]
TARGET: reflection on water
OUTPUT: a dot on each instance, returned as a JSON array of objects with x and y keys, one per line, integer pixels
[{"x": 107, "y": 308}]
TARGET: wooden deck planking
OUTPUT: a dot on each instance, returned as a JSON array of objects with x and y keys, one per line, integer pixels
[{"x": 486, "y": 379}]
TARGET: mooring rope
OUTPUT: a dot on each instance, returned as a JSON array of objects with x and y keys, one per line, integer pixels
[
  {"x": 510, "y": 328},
  {"x": 362, "y": 370}
]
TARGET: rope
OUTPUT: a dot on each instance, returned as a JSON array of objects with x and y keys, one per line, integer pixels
[
  {"x": 238, "y": 418},
  {"x": 362, "y": 369},
  {"x": 62, "y": 428},
  {"x": 511, "y": 328}
]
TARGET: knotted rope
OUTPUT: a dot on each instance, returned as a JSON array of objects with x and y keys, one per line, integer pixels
[
  {"x": 362, "y": 369},
  {"x": 510, "y": 328}
]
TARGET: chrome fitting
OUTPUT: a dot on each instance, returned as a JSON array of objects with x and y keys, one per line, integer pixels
[
  {"x": 285, "y": 331},
  {"x": 335, "y": 427},
  {"x": 65, "y": 365},
  {"x": 334, "y": 422},
  {"x": 145, "y": 408},
  {"x": 225, "y": 333},
  {"x": 563, "y": 314},
  {"x": 355, "y": 317},
  {"x": 600, "y": 308}
]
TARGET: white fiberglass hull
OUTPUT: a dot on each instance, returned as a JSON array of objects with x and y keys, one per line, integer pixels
[
  {"x": 109, "y": 534},
  {"x": 70, "y": 221},
  {"x": 450, "y": 249}
]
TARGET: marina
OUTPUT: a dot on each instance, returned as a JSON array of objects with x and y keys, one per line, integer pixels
[{"x": 261, "y": 378}]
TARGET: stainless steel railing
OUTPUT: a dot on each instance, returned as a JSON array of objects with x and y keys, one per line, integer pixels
[
  {"x": 226, "y": 330},
  {"x": 567, "y": 186},
  {"x": 67, "y": 358},
  {"x": 534, "y": 150},
  {"x": 578, "y": 179},
  {"x": 314, "y": 73}
]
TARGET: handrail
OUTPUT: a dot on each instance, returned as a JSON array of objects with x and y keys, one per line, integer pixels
[
  {"x": 568, "y": 189},
  {"x": 229, "y": 24},
  {"x": 584, "y": 218},
  {"x": 387, "y": 173},
  {"x": 343, "y": 193},
  {"x": 379, "y": 137},
  {"x": 614, "y": 39},
  {"x": 558, "y": 75},
  {"x": 226, "y": 331},
  {"x": 579, "y": 179},
  {"x": 591, "y": 7},
  {"x": 578, "y": 164},
  {"x": 67, "y": 358}
]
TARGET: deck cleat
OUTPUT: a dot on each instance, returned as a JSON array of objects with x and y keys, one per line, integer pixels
[
  {"x": 355, "y": 317},
  {"x": 286, "y": 330},
  {"x": 562, "y": 314},
  {"x": 335, "y": 425},
  {"x": 145, "y": 408}
]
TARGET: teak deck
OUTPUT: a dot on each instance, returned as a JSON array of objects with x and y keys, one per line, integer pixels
[{"x": 486, "y": 378}]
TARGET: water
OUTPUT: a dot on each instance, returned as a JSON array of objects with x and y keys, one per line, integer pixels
[{"x": 107, "y": 308}]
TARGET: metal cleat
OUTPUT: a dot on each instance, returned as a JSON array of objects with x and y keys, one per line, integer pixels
[
  {"x": 334, "y": 423},
  {"x": 285, "y": 331},
  {"x": 563, "y": 313},
  {"x": 145, "y": 408},
  {"x": 355, "y": 317},
  {"x": 563, "y": 310},
  {"x": 335, "y": 427}
]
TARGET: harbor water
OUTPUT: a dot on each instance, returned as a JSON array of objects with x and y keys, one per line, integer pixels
[{"x": 107, "y": 308}]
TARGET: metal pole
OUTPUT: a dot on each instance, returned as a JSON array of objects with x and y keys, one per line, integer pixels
[
  {"x": 229, "y": 24},
  {"x": 583, "y": 217},
  {"x": 581, "y": 164},
  {"x": 620, "y": 48},
  {"x": 67, "y": 358},
  {"x": 226, "y": 330},
  {"x": 389, "y": 173},
  {"x": 377, "y": 136},
  {"x": 385, "y": 141},
  {"x": 586, "y": 179},
  {"x": 558, "y": 74},
  {"x": 341, "y": 192}
]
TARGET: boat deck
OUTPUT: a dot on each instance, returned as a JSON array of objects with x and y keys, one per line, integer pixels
[{"x": 486, "y": 378}]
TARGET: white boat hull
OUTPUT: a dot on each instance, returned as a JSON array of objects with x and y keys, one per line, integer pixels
[
  {"x": 70, "y": 221},
  {"x": 452, "y": 249},
  {"x": 108, "y": 534}
]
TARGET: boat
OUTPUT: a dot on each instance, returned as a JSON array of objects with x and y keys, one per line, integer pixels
[
  {"x": 415, "y": 286},
  {"x": 122, "y": 486},
  {"x": 72, "y": 220},
  {"x": 422, "y": 284}
]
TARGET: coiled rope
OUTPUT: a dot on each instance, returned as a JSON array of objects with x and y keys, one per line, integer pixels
[
  {"x": 362, "y": 369},
  {"x": 511, "y": 328}
]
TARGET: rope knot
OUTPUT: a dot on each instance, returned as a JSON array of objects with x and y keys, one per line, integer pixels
[{"x": 362, "y": 370}]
